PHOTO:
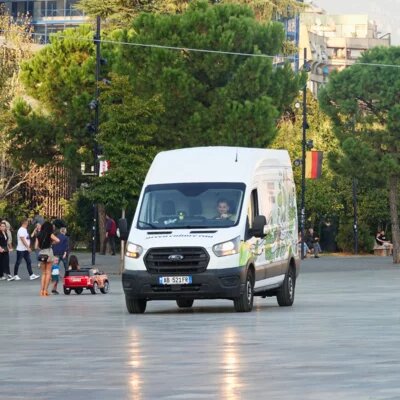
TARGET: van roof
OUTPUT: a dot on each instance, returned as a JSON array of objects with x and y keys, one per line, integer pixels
[{"x": 213, "y": 164}]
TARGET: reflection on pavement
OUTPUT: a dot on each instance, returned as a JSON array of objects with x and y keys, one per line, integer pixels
[
  {"x": 230, "y": 366},
  {"x": 135, "y": 361}
]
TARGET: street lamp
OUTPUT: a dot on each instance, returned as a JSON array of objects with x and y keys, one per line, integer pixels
[
  {"x": 95, "y": 106},
  {"x": 306, "y": 67}
]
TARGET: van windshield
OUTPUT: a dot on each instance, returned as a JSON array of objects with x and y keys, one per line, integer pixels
[{"x": 191, "y": 205}]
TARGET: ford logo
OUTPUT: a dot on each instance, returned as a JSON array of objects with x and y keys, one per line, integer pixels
[{"x": 175, "y": 257}]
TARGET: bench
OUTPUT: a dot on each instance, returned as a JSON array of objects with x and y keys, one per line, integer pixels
[{"x": 382, "y": 251}]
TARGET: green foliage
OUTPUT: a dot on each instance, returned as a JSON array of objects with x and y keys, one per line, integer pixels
[
  {"x": 345, "y": 237},
  {"x": 362, "y": 102},
  {"x": 126, "y": 138},
  {"x": 78, "y": 215},
  {"x": 209, "y": 98},
  {"x": 61, "y": 78}
]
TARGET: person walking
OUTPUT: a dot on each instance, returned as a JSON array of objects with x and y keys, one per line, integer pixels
[
  {"x": 111, "y": 231},
  {"x": 23, "y": 252},
  {"x": 61, "y": 249},
  {"x": 44, "y": 242},
  {"x": 5, "y": 248},
  {"x": 34, "y": 236}
]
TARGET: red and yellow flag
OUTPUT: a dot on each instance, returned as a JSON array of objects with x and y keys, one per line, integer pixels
[{"x": 314, "y": 164}]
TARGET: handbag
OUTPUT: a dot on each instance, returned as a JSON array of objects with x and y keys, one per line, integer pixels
[{"x": 43, "y": 258}]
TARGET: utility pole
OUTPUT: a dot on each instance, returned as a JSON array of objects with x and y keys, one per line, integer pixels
[
  {"x": 303, "y": 163},
  {"x": 96, "y": 130},
  {"x": 355, "y": 221}
]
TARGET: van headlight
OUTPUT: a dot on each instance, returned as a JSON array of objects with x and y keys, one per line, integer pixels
[
  {"x": 133, "y": 250},
  {"x": 227, "y": 248}
]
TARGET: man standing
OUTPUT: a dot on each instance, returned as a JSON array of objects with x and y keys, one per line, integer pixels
[
  {"x": 111, "y": 231},
  {"x": 23, "y": 251},
  {"x": 61, "y": 249}
]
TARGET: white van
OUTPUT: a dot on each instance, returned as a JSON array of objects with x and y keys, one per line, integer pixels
[{"x": 214, "y": 222}]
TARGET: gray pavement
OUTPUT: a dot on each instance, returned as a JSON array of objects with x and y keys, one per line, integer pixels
[{"x": 340, "y": 340}]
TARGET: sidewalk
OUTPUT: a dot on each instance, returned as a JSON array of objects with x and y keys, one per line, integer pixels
[{"x": 111, "y": 265}]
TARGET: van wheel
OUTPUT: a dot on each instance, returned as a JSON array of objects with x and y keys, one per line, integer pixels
[
  {"x": 244, "y": 303},
  {"x": 79, "y": 291},
  {"x": 67, "y": 291},
  {"x": 184, "y": 303},
  {"x": 285, "y": 295},
  {"x": 135, "y": 306}
]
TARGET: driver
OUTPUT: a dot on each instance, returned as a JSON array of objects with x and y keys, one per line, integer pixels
[{"x": 223, "y": 209}]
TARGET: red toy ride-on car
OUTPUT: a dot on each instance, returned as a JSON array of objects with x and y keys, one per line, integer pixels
[{"x": 86, "y": 278}]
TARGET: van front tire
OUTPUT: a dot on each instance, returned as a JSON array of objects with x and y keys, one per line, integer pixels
[
  {"x": 135, "y": 306},
  {"x": 244, "y": 303},
  {"x": 285, "y": 295}
]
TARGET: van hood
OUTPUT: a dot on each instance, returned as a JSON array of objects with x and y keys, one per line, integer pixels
[{"x": 182, "y": 237}]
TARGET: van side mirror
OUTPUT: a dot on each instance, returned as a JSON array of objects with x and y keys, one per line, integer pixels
[
  {"x": 258, "y": 226},
  {"x": 123, "y": 229}
]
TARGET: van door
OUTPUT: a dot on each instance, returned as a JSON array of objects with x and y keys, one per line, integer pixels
[{"x": 255, "y": 244}]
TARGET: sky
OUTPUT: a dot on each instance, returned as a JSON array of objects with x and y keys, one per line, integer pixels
[{"x": 386, "y": 13}]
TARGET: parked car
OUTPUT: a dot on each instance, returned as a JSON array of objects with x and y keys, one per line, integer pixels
[{"x": 86, "y": 278}]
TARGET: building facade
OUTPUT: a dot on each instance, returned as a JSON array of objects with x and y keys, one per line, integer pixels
[
  {"x": 47, "y": 16},
  {"x": 334, "y": 42}
]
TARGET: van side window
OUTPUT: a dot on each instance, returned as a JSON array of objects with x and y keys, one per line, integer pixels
[{"x": 252, "y": 211}]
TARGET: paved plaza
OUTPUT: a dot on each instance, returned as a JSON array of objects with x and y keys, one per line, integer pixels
[{"x": 340, "y": 340}]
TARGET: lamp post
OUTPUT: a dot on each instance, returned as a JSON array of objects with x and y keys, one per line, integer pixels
[
  {"x": 96, "y": 108},
  {"x": 303, "y": 164}
]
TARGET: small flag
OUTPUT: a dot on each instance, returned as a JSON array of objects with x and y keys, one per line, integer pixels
[{"x": 314, "y": 164}]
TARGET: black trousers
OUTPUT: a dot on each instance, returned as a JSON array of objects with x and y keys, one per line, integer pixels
[
  {"x": 111, "y": 240},
  {"x": 4, "y": 263},
  {"x": 23, "y": 255}
]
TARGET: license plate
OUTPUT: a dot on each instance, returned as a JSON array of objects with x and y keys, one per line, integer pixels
[
  {"x": 175, "y": 280},
  {"x": 76, "y": 279}
]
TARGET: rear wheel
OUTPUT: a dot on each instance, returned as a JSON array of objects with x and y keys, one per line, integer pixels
[
  {"x": 135, "y": 306},
  {"x": 244, "y": 303},
  {"x": 285, "y": 295},
  {"x": 184, "y": 303},
  {"x": 67, "y": 291},
  {"x": 105, "y": 288},
  {"x": 78, "y": 291}
]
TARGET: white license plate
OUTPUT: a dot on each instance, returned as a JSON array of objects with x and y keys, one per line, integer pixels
[{"x": 175, "y": 280}]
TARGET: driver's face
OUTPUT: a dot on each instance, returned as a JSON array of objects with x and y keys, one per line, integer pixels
[{"x": 222, "y": 208}]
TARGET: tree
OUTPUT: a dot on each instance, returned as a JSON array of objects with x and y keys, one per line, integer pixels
[
  {"x": 209, "y": 98},
  {"x": 14, "y": 49},
  {"x": 363, "y": 104},
  {"x": 121, "y": 11},
  {"x": 60, "y": 80},
  {"x": 126, "y": 138}
]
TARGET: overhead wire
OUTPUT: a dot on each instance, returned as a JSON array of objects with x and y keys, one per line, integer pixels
[{"x": 199, "y": 50}]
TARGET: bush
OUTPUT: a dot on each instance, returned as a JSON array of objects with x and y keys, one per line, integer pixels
[
  {"x": 345, "y": 238},
  {"x": 78, "y": 215}
]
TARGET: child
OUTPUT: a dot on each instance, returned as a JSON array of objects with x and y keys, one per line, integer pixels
[
  {"x": 73, "y": 264},
  {"x": 55, "y": 274}
]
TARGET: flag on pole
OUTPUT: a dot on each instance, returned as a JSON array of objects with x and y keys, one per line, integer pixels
[{"x": 314, "y": 164}]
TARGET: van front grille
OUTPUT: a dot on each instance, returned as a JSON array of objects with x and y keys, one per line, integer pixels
[{"x": 180, "y": 260}]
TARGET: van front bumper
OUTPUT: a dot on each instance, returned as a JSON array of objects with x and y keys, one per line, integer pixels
[{"x": 227, "y": 283}]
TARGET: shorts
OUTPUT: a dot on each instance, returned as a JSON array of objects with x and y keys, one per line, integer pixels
[
  {"x": 48, "y": 252},
  {"x": 55, "y": 278}
]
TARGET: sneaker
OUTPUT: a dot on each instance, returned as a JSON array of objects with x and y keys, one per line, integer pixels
[
  {"x": 54, "y": 292},
  {"x": 14, "y": 278},
  {"x": 3, "y": 278},
  {"x": 9, "y": 276},
  {"x": 32, "y": 277}
]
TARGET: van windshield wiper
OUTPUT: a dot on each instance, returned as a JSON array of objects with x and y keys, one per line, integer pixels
[{"x": 148, "y": 224}]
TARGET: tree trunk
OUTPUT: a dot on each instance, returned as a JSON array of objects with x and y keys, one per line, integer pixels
[
  {"x": 393, "y": 201},
  {"x": 102, "y": 226}
]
